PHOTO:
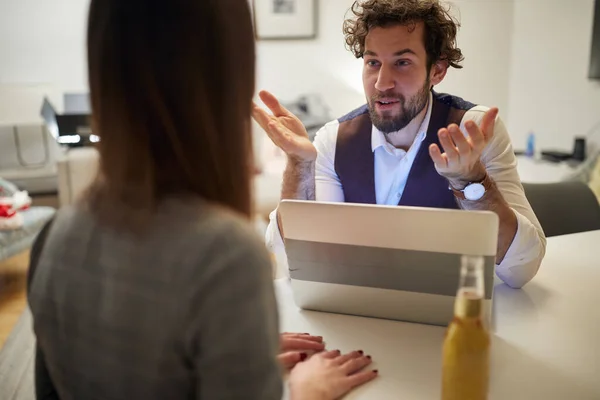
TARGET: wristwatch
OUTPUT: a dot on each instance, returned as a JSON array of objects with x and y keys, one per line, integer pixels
[{"x": 473, "y": 191}]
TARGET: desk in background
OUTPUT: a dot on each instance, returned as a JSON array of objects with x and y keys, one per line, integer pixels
[
  {"x": 546, "y": 343},
  {"x": 535, "y": 170}
]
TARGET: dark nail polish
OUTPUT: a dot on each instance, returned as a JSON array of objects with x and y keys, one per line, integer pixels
[
  {"x": 361, "y": 352},
  {"x": 303, "y": 356},
  {"x": 376, "y": 371},
  {"x": 369, "y": 357}
]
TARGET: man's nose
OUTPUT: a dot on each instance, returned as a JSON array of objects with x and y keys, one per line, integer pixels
[{"x": 385, "y": 80}]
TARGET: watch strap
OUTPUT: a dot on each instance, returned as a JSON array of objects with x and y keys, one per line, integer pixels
[{"x": 460, "y": 194}]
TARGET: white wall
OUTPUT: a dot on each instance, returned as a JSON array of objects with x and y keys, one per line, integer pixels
[
  {"x": 549, "y": 89},
  {"x": 323, "y": 65},
  {"x": 43, "y": 41},
  {"x": 485, "y": 39},
  {"x": 42, "y": 53}
]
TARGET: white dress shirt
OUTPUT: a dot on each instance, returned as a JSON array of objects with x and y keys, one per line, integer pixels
[{"x": 392, "y": 167}]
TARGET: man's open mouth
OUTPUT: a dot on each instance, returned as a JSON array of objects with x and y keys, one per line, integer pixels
[{"x": 386, "y": 104}]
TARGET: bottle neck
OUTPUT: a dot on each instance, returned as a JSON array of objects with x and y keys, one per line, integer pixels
[
  {"x": 468, "y": 305},
  {"x": 471, "y": 291}
]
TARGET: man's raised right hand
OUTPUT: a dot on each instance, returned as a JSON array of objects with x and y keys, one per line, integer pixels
[{"x": 284, "y": 129}]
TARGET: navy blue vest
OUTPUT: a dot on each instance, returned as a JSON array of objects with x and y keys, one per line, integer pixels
[{"x": 354, "y": 158}]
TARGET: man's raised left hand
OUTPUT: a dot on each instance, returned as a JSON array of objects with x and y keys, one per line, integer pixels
[{"x": 461, "y": 161}]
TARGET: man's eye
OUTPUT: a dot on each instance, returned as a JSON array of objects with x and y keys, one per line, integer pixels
[
  {"x": 372, "y": 63},
  {"x": 403, "y": 63}
]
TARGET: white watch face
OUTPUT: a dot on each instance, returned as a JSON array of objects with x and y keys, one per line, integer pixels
[{"x": 474, "y": 191}]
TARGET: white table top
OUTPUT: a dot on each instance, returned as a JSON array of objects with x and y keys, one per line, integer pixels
[
  {"x": 546, "y": 343},
  {"x": 535, "y": 170}
]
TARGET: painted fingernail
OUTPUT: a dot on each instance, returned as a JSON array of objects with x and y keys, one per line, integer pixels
[
  {"x": 369, "y": 357},
  {"x": 376, "y": 371},
  {"x": 303, "y": 356},
  {"x": 361, "y": 352}
]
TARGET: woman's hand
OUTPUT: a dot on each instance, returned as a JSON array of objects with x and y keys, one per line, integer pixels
[
  {"x": 329, "y": 375},
  {"x": 296, "y": 347}
]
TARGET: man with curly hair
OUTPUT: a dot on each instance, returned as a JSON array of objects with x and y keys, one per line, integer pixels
[{"x": 410, "y": 145}]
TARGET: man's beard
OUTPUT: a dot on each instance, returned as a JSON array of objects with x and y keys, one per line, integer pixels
[{"x": 408, "y": 109}]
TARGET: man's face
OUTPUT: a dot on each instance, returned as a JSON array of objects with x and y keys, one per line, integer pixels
[{"x": 395, "y": 75}]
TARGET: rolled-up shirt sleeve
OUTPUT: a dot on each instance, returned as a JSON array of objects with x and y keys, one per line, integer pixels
[
  {"x": 273, "y": 238},
  {"x": 327, "y": 185},
  {"x": 524, "y": 256}
]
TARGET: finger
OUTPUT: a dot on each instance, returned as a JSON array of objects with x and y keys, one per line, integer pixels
[
  {"x": 279, "y": 135},
  {"x": 261, "y": 116},
  {"x": 347, "y": 357},
  {"x": 438, "y": 158},
  {"x": 361, "y": 378},
  {"x": 291, "y": 358},
  {"x": 304, "y": 336},
  {"x": 354, "y": 365},
  {"x": 448, "y": 146},
  {"x": 295, "y": 334},
  {"x": 288, "y": 141},
  {"x": 329, "y": 354},
  {"x": 475, "y": 135},
  {"x": 488, "y": 122},
  {"x": 301, "y": 344},
  {"x": 459, "y": 139},
  {"x": 273, "y": 104}
]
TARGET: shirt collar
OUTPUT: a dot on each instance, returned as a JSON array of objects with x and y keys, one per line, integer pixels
[{"x": 378, "y": 137}]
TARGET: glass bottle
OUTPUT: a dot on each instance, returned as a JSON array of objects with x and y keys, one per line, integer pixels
[{"x": 465, "y": 365}]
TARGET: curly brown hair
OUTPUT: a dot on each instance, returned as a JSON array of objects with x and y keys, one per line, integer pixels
[{"x": 440, "y": 26}]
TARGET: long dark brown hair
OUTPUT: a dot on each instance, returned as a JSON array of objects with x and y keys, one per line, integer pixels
[
  {"x": 171, "y": 86},
  {"x": 440, "y": 27}
]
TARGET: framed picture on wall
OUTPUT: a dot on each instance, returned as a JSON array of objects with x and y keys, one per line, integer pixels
[{"x": 285, "y": 19}]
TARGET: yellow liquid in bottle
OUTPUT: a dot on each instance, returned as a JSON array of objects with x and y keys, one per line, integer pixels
[{"x": 465, "y": 369}]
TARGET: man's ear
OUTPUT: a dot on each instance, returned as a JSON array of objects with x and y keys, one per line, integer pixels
[{"x": 438, "y": 72}]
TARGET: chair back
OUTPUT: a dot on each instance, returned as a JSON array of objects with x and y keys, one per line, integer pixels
[{"x": 564, "y": 207}]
